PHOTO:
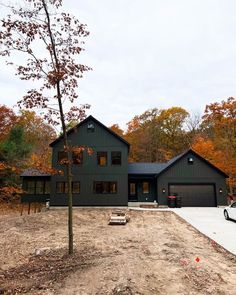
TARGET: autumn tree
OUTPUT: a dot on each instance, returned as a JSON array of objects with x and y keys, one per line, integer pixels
[
  {"x": 157, "y": 135},
  {"x": 116, "y": 128},
  {"x": 49, "y": 41},
  {"x": 7, "y": 120},
  {"x": 13, "y": 156},
  {"x": 39, "y": 135},
  {"x": 219, "y": 126}
]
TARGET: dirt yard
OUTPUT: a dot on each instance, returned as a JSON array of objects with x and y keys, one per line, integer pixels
[{"x": 155, "y": 253}]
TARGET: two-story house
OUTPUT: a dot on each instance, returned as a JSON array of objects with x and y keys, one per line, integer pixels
[
  {"x": 99, "y": 178},
  {"x": 105, "y": 178}
]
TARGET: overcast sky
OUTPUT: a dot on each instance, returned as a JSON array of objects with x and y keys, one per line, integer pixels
[{"x": 146, "y": 54}]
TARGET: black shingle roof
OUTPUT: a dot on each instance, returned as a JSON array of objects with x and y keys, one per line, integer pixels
[{"x": 146, "y": 168}]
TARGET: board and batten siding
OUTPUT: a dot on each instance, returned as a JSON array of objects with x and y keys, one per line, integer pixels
[
  {"x": 99, "y": 141},
  {"x": 197, "y": 173}
]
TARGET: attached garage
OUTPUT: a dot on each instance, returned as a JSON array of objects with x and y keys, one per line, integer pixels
[
  {"x": 194, "y": 195},
  {"x": 194, "y": 179}
]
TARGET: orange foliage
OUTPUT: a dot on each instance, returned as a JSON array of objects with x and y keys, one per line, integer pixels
[
  {"x": 116, "y": 128},
  {"x": 7, "y": 120},
  {"x": 221, "y": 159},
  {"x": 10, "y": 193}
]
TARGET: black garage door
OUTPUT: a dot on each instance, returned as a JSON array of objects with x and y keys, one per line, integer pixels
[{"x": 194, "y": 195}]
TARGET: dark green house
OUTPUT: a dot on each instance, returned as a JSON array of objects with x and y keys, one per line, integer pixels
[
  {"x": 104, "y": 178},
  {"x": 99, "y": 179}
]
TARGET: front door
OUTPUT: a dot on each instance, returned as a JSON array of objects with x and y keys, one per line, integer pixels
[{"x": 146, "y": 191}]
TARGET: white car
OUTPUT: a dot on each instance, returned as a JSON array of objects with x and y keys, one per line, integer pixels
[{"x": 230, "y": 212}]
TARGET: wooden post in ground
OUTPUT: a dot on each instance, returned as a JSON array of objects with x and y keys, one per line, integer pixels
[
  {"x": 22, "y": 208},
  {"x": 29, "y": 208}
]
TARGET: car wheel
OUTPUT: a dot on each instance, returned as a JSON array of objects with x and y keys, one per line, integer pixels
[{"x": 226, "y": 215}]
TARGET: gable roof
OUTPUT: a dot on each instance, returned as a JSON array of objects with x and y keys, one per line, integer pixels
[
  {"x": 175, "y": 160},
  {"x": 159, "y": 168},
  {"x": 83, "y": 122}
]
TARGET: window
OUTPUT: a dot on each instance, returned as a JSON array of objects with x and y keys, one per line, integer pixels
[
  {"x": 90, "y": 127},
  {"x": 39, "y": 187},
  {"x": 62, "y": 157},
  {"x": 30, "y": 187},
  {"x": 102, "y": 158},
  {"x": 190, "y": 161},
  {"x": 62, "y": 187},
  {"x": 132, "y": 189},
  {"x": 115, "y": 158},
  {"x": 113, "y": 187},
  {"x": 105, "y": 187},
  {"x": 75, "y": 187},
  {"x": 77, "y": 158},
  {"x": 146, "y": 187},
  {"x": 47, "y": 187},
  {"x": 233, "y": 205}
]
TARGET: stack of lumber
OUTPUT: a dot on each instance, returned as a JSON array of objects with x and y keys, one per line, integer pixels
[{"x": 118, "y": 217}]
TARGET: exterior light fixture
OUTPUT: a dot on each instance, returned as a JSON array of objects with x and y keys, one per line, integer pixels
[
  {"x": 163, "y": 190},
  {"x": 220, "y": 191},
  {"x": 190, "y": 160}
]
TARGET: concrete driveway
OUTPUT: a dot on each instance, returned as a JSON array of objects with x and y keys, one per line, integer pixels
[{"x": 211, "y": 222}]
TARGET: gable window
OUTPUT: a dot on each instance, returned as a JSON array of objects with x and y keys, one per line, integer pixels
[
  {"x": 190, "y": 161},
  {"x": 90, "y": 127},
  {"x": 146, "y": 187},
  {"x": 77, "y": 158},
  {"x": 105, "y": 187},
  {"x": 102, "y": 158},
  {"x": 115, "y": 158},
  {"x": 62, "y": 157}
]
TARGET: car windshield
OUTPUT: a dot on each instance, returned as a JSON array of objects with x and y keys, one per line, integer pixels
[{"x": 233, "y": 205}]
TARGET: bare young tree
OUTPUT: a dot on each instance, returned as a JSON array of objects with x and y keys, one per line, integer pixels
[{"x": 48, "y": 40}]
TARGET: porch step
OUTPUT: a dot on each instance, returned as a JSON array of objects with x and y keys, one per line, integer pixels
[{"x": 143, "y": 204}]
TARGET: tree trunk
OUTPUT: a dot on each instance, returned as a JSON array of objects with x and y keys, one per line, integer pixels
[
  {"x": 68, "y": 172},
  {"x": 65, "y": 140}
]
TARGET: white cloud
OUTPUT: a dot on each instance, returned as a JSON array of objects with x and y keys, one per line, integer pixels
[{"x": 151, "y": 54}]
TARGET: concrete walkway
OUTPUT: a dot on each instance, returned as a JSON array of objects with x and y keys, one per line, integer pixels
[{"x": 211, "y": 222}]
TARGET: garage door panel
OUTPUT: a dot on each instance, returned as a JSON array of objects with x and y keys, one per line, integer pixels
[{"x": 194, "y": 195}]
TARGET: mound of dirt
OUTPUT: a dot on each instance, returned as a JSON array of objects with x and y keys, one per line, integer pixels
[{"x": 155, "y": 253}]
